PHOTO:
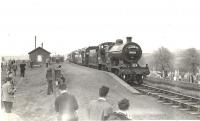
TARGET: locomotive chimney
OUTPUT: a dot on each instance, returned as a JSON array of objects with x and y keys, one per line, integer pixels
[
  {"x": 129, "y": 39},
  {"x": 42, "y": 45},
  {"x": 35, "y": 42}
]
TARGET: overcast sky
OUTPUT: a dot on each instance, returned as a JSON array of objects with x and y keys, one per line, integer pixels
[{"x": 66, "y": 25}]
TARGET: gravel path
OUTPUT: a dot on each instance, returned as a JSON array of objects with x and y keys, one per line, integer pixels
[{"x": 84, "y": 83}]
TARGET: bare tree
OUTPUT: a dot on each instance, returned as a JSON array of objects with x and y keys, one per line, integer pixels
[
  {"x": 190, "y": 61},
  {"x": 163, "y": 60}
]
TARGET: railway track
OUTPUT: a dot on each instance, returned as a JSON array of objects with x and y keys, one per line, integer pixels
[{"x": 176, "y": 100}]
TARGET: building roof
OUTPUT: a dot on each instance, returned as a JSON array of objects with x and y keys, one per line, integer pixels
[{"x": 37, "y": 49}]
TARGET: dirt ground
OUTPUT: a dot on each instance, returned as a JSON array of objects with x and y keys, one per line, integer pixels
[{"x": 33, "y": 104}]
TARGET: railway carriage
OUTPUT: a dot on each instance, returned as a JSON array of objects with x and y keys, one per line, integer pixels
[
  {"x": 74, "y": 57},
  {"x": 92, "y": 57},
  {"x": 57, "y": 58}
]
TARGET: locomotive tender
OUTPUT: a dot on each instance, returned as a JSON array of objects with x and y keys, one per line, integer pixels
[{"x": 119, "y": 58}]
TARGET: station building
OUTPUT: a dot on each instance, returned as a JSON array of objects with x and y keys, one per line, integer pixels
[{"x": 39, "y": 55}]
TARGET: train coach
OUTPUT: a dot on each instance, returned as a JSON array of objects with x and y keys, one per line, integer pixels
[
  {"x": 75, "y": 57},
  {"x": 119, "y": 58}
]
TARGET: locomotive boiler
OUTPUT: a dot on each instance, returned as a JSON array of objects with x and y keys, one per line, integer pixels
[{"x": 122, "y": 59}]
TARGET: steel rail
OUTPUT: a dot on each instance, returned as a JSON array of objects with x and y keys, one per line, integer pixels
[{"x": 181, "y": 101}]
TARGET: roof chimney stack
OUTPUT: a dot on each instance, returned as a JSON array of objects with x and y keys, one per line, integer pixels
[
  {"x": 35, "y": 42},
  {"x": 129, "y": 39},
  {"x": 42, "y": 45}
]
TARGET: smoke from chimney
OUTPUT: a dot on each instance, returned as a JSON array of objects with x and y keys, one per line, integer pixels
[{"x": 129, "y": 39}]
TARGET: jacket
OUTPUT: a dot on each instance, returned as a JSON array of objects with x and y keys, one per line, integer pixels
[
  {"x": 49, "y": 74},
  {"x": 8, "y": 92},
  {"x": 66, "y": 103},
  {"x": 99, "y": 110}
]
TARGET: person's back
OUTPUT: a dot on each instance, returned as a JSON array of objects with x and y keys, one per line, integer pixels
[
  {"x": 49, "y": 74},
  {"x": 15, "y": 67},
  {"x": 99, "y": 109},
  {"x": 7, "y": 93},
  {"x": 66, "y": 105},
  {"x": 117, "y": 116},
  {"x": 122, "y": 113},
  {"x": 22, "y": 66}
]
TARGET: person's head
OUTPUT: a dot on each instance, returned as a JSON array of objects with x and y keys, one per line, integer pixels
[
  {"x": 49, "y": 69},
  {"x": 63, "y": 87},
  {"x": 10, "y": 74},
  {"x": 103, "y": 91},
  {"x": 59, "y": 66},
  {"x": 123, "y": 104},
  {"x": 61, "y": 75},
  {"x": 9, "y": 79}
]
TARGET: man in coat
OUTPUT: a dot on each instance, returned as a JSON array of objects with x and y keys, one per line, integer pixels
[
  {"x": 66, "y": 105},
  {"x": 8, "y": 91},
  {"x": 100, "y": 109},
  {"x": 15, "y": 68},
  {"x": 49, "y": 77},
  {"x": 22, "y": 68}
]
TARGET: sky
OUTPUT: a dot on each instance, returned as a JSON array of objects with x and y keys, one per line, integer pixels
[{"x": 66, "y": 25}]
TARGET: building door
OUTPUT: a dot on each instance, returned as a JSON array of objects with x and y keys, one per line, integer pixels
[{"x": 39, "y": 58}]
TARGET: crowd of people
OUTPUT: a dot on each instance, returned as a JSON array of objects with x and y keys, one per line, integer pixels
[
  {"x": 12, "y": 66},
  {"x": 66, "y": 104},
  {"x": 9, "y": 84}
]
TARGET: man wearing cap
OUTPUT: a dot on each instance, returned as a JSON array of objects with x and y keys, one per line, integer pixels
[
  {"x": 100, "y": 109},
  {"x": 66, "y": 105}
]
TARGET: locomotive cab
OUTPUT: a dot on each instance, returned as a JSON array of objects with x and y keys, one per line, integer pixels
[{"x": 102, "y": 54}]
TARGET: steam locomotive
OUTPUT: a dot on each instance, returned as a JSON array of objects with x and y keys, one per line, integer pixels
[{"x": 119, "y": 58}]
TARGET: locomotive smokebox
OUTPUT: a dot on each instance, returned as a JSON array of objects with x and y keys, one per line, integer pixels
[{"x": 128, "y": 39}]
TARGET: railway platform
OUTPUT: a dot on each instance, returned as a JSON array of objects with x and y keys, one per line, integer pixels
[{"x": 33, "y": 104}]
